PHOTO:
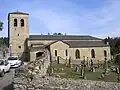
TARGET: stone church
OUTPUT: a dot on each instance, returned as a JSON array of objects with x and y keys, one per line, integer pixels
[{"x": 62, "y": 47}]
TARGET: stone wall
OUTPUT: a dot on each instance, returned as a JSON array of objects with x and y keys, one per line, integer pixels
[
  {"x": 52, "y": 83},
  {"x": 36, "y": 68},
  {"x": 61, "y": 49},
  {"x": 39, "y": 42},
  {"x": 17, "y": 35},
  {"x": 45, "y": 64},
  {"x": 86, "y": 51}
]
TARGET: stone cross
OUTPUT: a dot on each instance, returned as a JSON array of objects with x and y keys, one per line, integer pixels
[
  {"x": 91, "y": 66},
  {"x": 98, "y": 63},
  {"x": 77, "y": 68},
  {"x": 106, "y": 66},
  {"x": 84, "y": 68},
  {"x": 87, "y": 62}
]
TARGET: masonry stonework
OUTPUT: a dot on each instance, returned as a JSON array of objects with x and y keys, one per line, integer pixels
[
  {"x": 18, "y": 34},
  {"x": 20, "y": 42},
  {"x": 86, "y": 51}
]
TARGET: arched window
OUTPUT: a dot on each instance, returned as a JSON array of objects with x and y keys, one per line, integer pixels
[
  {"x": 77, "y": 54},
  {"x": 22, "y": 22},
  {"x": 66, "y": 52},
  {"x": 15, "y": 22},
  {"x": 55, "y": 52},
  {"x": 92, "y": 53},
  {"x": 105, "y": 53}
]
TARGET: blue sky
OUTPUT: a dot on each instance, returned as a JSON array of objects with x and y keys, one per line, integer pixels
[{"x": 99, "y": 18}]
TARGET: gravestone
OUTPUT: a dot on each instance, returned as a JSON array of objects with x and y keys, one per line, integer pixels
[
  {"x": 69, "y": 64},
  {"x": 76, "y": 69},
  {"x": 4, "y": 54},
  {"x": 87, "y": 63},
  {"x": 62, "y": 69},
  {"x": 98, "y": 62},
  {"x": 93, "y": 69},
  {"x": 117, "y": 70},
  {"x": 118, "y": 78},
  {"x": 106, "y": 66},
  {"x": 52, "y": 70},
  {"x": 58, "y": 60},
  {"x": 91, "y": 66},
  {"x": 83, "y": 69}
]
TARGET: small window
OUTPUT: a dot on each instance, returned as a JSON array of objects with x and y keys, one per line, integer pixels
[
  {"x": 19, "y": 46},
  {"x": 18, "y": 34},
  {"x": 15, "y": 22},
  {"x": 55, "y": 52},
  {"x": 77, "y": 54},
  {"x": 66, "y": 52},
  {"x": 22, "y": 22},
  {"x": 105, "y": 53}
]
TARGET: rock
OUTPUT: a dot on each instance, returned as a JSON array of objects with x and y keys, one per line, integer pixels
[
  {"x": 62, "y": 69},
  {"x": 102, "y": 75},
  {"x": 93, "y": 69},
  {"x": 57, "y": 76},
  {"x": 52, "y": 70},
  {"x": 56, "y": 83},
  {"x": 55, "y": 69}
]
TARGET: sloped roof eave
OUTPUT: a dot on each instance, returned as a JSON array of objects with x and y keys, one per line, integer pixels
[{"x": 55, "y": 42}]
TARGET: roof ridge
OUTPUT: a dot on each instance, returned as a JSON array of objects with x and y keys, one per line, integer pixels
[
  {"x": 19, "y": 12},
  {"x": 59, "y": 35},
  {"x": 64, "y": 37}
]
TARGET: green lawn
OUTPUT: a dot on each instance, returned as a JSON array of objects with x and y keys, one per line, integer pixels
[{"x": 70, "y": 73}]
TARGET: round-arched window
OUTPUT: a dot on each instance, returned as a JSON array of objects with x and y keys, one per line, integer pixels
[
  {"x": 15, "y": 22},
  {"x": 105, "y": 53},
  {"x": 66, "y": 52},
  {"x": 22, "y": 22},
  {"x": 77, "y": 54},
  {"x": 55, "y": 52},
  {"x": 92, "y": 53}
]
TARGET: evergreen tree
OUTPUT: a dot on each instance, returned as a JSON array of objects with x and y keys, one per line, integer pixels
[{"x": 1, "y": 25}]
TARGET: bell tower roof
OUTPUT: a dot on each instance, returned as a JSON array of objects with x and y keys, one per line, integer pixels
[{"x": 18, "y": 12}]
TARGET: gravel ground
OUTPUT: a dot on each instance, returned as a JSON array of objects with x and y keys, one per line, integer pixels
[{"x": 6, "y": 81}]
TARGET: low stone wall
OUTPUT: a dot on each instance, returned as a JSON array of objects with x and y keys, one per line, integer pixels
[
  {"x": 45, "y": 65},
  {"x": 52, "y": 83}
]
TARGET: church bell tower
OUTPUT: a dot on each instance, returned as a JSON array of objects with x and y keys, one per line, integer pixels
[{"x": 18, "y": 33}]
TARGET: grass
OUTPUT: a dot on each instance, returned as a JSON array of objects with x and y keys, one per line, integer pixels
[{"x": 70, "y": 73}]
